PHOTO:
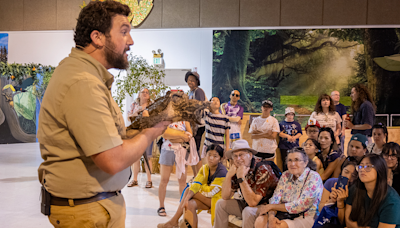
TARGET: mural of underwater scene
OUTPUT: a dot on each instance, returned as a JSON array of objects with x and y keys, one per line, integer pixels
[{"x": 292, "y": 67}]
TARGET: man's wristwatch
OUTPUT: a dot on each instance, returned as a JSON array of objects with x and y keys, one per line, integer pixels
[{"x": 240, "y": 180}]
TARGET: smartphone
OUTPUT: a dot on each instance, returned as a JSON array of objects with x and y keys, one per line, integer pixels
[{"x": 342, "y": 182}]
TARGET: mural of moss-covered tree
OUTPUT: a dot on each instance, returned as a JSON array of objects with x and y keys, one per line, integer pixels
[{"x": 289, "y": 66}]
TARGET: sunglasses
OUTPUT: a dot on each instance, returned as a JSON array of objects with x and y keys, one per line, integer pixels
[{"x": 234, "y": 94}]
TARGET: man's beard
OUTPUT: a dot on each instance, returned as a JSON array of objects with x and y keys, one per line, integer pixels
[{"x": 113, "y": 58}]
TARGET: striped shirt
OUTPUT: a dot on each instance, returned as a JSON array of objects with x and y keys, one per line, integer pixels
[{"x": 216, "y": 124}]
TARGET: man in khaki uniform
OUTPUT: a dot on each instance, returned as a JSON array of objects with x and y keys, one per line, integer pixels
[{"x": 81, "y": 129}]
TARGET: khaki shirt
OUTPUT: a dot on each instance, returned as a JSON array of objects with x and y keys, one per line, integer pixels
[{"x": 79, "y": 118}]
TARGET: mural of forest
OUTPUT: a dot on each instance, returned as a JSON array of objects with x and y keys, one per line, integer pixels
[{"x": 294, "y": 66}]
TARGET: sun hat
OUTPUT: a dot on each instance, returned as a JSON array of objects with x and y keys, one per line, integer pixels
[
  {"x": 289, "y": 110},
  {"x": 240, "y": 145},
  {"x": 195, "y": 74}
]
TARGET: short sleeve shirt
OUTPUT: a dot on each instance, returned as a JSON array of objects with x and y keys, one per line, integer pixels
[
  {"x": 364, "y": 115},
  {"x": 216, "y": 124},
  {"x": 330, "y": 183},
  {"x": 332, "y": 156},
  {"x": 341, "y": 109},
  {"x": 78, "y": 119},
  {"x": 197, "y": 94},
  {"x": 388, "y": 211},
  {"x": 327, "y": 120},
  {"x": 292, "y": 129},
  {"x": 264, "y": 125},
  {"x": 300, "y": 195},
  {"x": 262, "y": 181},
  {"x": 233, "y": 111}
]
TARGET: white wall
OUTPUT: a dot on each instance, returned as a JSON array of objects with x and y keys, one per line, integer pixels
[{"x": 182, "y": 48}]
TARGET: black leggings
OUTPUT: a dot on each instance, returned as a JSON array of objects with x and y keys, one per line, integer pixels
[{"x": 197, "y": 138}]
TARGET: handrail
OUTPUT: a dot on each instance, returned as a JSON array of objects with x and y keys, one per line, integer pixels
[{"x": 391, "y": 118}]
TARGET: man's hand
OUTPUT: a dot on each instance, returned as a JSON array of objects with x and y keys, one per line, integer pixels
[
  {"x": 231, "y": 172},
  {"x": 242, "y": 171}
]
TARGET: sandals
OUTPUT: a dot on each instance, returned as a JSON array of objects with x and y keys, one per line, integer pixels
[
  {"x": 161, "y": 212},
  {"x": 133, "y": 183},
  {"x": 149, "y": 184}
]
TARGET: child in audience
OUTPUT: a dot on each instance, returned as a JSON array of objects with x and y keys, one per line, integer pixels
[
  {"x": 311, "y": 147},
  {"x": 328, "y": 155},
  {"x": 217, "y": 127},
  {"x": 264, "y": 130},
  {"x": 205, "y": 191},
  {"x": 312, "y": 129},
  {"x": 290, "y": 132},
  {"x": 370, "y": 202},
  {"x": 380, "y": 137}
]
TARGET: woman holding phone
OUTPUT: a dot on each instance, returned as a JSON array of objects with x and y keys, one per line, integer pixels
[{"x": 370, "y": 202}]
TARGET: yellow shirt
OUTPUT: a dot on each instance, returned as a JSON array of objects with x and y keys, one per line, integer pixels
[{"x": 78, "y": 119}]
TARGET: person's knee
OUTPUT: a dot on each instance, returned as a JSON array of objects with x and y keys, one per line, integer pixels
[
  {"x": 249, "y": 212},
  {"x": 259, "y": 223},
  {"x": 192, "y": 205},
  {"x": 220, "y": 204}
]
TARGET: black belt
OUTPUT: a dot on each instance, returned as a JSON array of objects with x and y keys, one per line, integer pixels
[{"x": 57, "y": 201}]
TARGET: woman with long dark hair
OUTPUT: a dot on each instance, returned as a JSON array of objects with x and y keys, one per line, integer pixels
[
  {"x": 371, "y": 202},
  {"x": 363, "y": 109},
  {"x": 326, "y": 115},
  {"x": 391, "y": 154},
  {"x": 328, "y": 156}
]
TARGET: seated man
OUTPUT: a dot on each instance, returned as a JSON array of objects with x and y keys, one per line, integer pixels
[{"x": 254, "y": 183}]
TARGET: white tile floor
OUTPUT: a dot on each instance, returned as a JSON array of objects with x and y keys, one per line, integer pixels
[{"x": 20, "y": 188}]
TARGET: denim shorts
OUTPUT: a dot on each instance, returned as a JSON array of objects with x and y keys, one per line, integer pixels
[
  {"x": 167, "y": 157},
  {"x": 149, "y": 150}
]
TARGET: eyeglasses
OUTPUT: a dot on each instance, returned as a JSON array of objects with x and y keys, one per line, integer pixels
[
  {"x": 235, "y": 94},
  {"x": 295, "y": 161},
  {"x": 392, "y": 156},
  {"x": 365, "y": 167},
  {"x": 241, "y": 155}
]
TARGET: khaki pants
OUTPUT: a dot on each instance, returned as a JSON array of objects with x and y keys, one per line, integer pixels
[
  {"x": 105, "y": 213},
  {"x": 224, "y": 208}
]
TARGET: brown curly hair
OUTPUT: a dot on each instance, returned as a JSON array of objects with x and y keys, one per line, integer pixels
[
  {"x": 318, "y": 106},
  {"x": 97, "y": 16},
  {"x": 363, "y": 95}
]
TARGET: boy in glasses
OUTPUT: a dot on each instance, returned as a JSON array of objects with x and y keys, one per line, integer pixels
[
  {"x": 234, "y": 112},
  {"x": 264, "y": 130},
  {"x": 312, "y": 129}
]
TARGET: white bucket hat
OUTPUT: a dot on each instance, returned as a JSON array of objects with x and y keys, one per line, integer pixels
[
  {"x": 240, "y": 145},
  {"x": 289, "y": 110}
]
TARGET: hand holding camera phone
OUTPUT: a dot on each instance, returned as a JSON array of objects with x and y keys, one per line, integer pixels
[{"x": 342, "y": 182}]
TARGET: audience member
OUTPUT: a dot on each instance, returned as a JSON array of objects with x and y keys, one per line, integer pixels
[
  {"x": 329, "y": 156},
  {"x": 348, "y": 170},
  {"x": 290, "y": 132},
  {"x": 217, "y": 126},
  {"x": 264, "y": 130},
  {"x": 325, "y": 113},
  {"x": 312, "y": 147},
  {"x": 296, "y": 198},
  {"x": 391, "y": 154},
  {"x": 357, "y": 148},
  {"x": 380, "y": 137},
  {"x": 312, "y": 128},
  {"x": 254, "y": 183},
  {"x": 173, "y": 151},
  {"x": 363, "y": 110},
  {"x": 193, "y": 81},
  {"x": 234, "y": 112},
  {"x": 205, "y": 190},
  {"x": 342, "y": 111},
  {"x": 143, "y": 100},
  {"x": 370, "y": 202}
]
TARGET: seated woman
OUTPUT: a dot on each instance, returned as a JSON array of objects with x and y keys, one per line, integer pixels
[
  {"x": 329, "y": 195},
  {"x": 391, "y": 154},
  {"x": 370, "y": 202},
  {"x": 311, "y": 147},
  {"x": 205, "y": 190},
  {"x": 328, "y": 155},
  {"x": 298, "y": 192}
]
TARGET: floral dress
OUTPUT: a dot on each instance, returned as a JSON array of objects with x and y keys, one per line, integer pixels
[{"x": 296, "y": 201}]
